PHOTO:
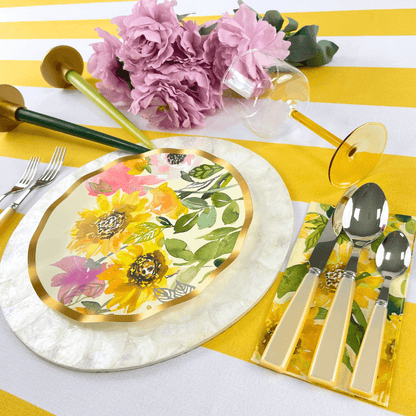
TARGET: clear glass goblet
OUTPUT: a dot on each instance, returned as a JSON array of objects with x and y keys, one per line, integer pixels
[{"x": 267, "y": 94}]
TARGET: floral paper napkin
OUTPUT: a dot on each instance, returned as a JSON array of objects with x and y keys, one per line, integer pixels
[{"x": 368, "y": 283}]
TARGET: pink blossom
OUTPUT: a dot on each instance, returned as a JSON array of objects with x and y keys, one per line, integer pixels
[
  {"x": 235, "y": 35},
  {"x": 189, "y": 46},
  {"x": 77, "y": 279},
  {"x": 117, "y": 177},
  {"x": 104, "y": 65},
  {"x": 148, "y": 34}
]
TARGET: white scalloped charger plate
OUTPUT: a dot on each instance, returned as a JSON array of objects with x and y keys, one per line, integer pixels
[{"x": 120, "y": 346}]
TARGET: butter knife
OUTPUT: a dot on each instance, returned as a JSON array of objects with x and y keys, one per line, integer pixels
[{"x": 280, "y": 347}]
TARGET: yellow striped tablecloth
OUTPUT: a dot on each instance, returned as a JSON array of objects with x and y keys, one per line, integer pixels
[{"x": 372, "y": 78}]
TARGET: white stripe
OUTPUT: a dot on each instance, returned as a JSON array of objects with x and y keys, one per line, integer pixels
[
  {"x": 340, "y": 119},
  {"x": 371, "y": 51},
  {"x": 89, "y": 11}
]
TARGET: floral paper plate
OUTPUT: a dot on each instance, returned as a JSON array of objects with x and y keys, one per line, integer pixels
[{"x": 140, "y": 235}]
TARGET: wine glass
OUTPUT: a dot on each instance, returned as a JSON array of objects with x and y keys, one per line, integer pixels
[{"x": 267, "y": 94}]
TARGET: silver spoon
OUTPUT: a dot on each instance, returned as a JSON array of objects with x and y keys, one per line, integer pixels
[
  {"x": 392, "y": 259},
  {"x": 364, "y": 219}
]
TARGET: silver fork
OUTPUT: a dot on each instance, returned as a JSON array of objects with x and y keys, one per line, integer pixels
[
  {"x": 46, "y": 178},
  {"x": 26, "y": 178}
]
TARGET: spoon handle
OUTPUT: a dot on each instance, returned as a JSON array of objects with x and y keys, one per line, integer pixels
[
  {"x": 330, "y": 350},
  {"x": 364, "y": 377},
  {"x": 279, "y": 349}
]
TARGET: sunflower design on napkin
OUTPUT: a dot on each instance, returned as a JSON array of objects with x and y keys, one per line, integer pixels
[
  {"x": 368, "y": 283},
  {"x": 140, "y": 235}
]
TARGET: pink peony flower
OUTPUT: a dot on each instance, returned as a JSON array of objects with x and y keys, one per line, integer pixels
[
  {"x": 117, "y": 177},
  {"x": 189, "y": 46},
  {"x": 77, "y": 279},
  {"x": 148, "y": 34},
  {"x": 104, "y": 65},
  {"x": 169, "y": 166},
  {"x": 177, "y": 96},
  {"x": 235, "y": 35}
]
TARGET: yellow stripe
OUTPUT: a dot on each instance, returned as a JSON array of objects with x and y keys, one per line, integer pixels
[
  {"x": 339, "y": 23},
  {"x": 5, "y": 236},
  {"x": 303, "y": 169},
  {"x": 12, "y": 406},
  {"x": 370, "y": 86}
]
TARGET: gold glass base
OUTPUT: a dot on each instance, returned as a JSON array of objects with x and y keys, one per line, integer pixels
[
  {"x": 357, "y": 155},
  {"x": 10, "y": 100},
  {"x": 57, "y": 62}
]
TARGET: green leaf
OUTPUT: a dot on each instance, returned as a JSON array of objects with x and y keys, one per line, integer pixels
[
  {"x": 313, "y": 238},
  {"x": 403, "y": 287},
  {"x": 322, "y": 313},
  {"x": 226, "y": 245},
  {"x": 325, "y": 51},
  {"x": 291, "y": 26},
  {"x": 205, "y": 171},
  {"x": 292, "y": 278},
  {"x": 218, "y": 233},
  {"x": 346, "y": 360},
  {"x": 395, "y": 305},
  {"x": 222, "y": 182},
  {"x": 164, "y": 221},
  {"x": 220, "y": 199},
  {"x": 207, "y": 252},
  {"x": 303, "y": 44},
  {"x": 342, "y": 238},
  {"x": 231, "y": 213},
  {"x": 145, "y": 231},
  {"x": 358, "y": 314},
  {"x": 325, "y": 207},
  {"x": 403, "y": 218},
  {"x": 182, "y": 16},
  {"x": 194, "y": 203},
  {"x": 355, "y": 336},
  {"x": 186, "y": 222},
  {"x": 207, "y": 218},
  {"x": 186, "y": 177},
  {"x": 178, "y": 248},
  {"x": 95, "y": 307},
  {"x": 362, "y": 276},
  {"x": 375, "y": 244},
  {"x": 207, "y": 30},
  {"x": 218, "y": 262},
  {"x": 411, "y": 226},
  {"x": 100, "y": 188},
  {"x": 274, "y": 18}
]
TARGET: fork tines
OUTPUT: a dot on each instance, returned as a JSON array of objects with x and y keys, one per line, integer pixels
[{"x": 54, "y": 165}]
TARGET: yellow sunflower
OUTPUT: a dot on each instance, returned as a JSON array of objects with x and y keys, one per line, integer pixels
[
  {"x": 137, "y": 166},
  {"x": 135, "y": 273},
  {"x": 105, "y": 228},
  {"x": 166, "y": 202}
]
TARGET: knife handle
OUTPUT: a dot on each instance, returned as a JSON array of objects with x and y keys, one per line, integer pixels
[
  {"x": 280, "y": 348},
  {"x": 364, "y": 376},
  {"x": 330, "y": 350},
  {"x": 6, "y": 216}
]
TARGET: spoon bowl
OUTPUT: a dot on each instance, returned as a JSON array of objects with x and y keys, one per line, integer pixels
[
  {"x": 393, "y": 259},
  {"x": 364, "y": 220}
]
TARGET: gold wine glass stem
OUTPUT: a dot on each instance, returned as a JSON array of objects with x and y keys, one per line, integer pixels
[{"x": 316, "y": 128}]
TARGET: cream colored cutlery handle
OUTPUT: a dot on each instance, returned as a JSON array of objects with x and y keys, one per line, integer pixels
[
  {"x": 364, "y": 377},
  {"x": 6, "y": 216},
  {"x": 283, "y": 341},
  {"x": 330, "y": 350}
]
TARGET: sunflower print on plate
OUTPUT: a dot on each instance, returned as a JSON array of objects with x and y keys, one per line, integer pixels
[
  {"x": 368, "y": 282},
  {"x": 142, "y": 234}
]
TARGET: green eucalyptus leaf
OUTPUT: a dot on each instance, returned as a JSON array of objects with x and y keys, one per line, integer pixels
[
  {"x": 218, "y": 262},
  {"x": 291, "y": 26},
  {"x": 207, "y": 252},
  {"x": 231, "y": 213},
  {"x": 164, "y": 221},
  {"x": 358, "y": 314},
  {"x": 355, "y": 336},
  {"x": 182, "y": 16},
  {"x": 274, "y": 18},
  {"x": 207, "y": 30},
  {"x": 186, "y": 222},
  {"x": 186, "y": 177},
  {"x": 303, "y": 44},
  {"x": 207, "y": 218},
  {"x": 325, "y": 51},
  {"x": 188, "y": 275},
  {"x": 292, "y": 278},
  {"x": 313, "y": 238},
  {"x": 395, "y": 305},
  {"x": 362, "y": 276},
  {"x": 204, "y": 171}
]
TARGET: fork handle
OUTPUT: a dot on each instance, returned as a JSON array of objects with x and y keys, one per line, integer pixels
[{"x": 6, "y": 216}]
